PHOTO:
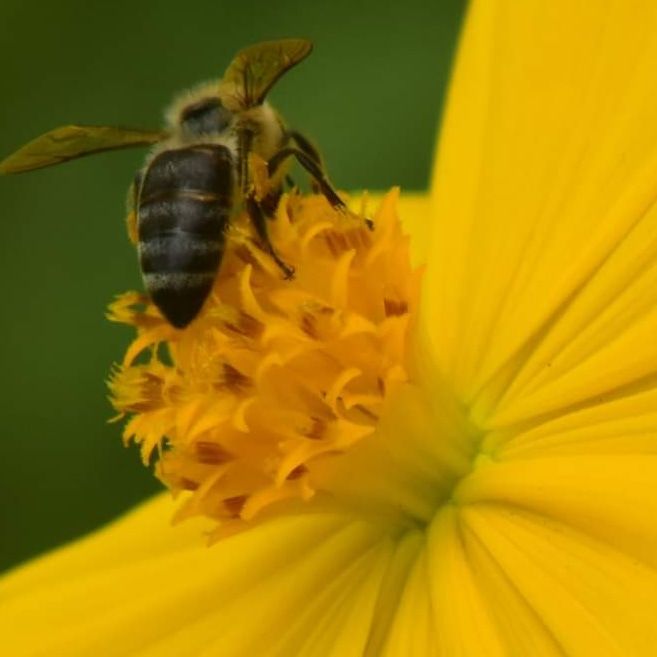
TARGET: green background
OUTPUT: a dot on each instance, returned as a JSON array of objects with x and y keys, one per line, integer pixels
[{"x": 370, "y": 96}]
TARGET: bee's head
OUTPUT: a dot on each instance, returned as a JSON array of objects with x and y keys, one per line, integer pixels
[
  {"x": 205, "y": 116},
  {"x": 199, "y": 111}
]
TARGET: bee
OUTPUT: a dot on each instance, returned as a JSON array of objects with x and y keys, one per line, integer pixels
[{"x": 198, "y": 177}]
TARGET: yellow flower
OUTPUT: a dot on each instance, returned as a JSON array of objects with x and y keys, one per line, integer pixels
[{"x": 471, "y": 474}]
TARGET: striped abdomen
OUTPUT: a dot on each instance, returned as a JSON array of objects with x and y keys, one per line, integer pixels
[{"x": 185, "y": 201}]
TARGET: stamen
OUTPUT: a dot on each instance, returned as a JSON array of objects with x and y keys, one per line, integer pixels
[{"x": 274, "y": 376}]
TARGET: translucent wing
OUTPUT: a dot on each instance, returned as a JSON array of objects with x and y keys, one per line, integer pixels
[
  {"x": 72, "y": 141},
  {"x": 256, "y": 68}
]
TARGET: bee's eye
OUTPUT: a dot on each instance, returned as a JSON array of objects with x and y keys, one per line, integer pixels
[{"x": 205, "y": 117}]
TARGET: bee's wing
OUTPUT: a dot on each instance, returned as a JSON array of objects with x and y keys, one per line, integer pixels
[
  {"x": 71, "y": 141},
  {"x": 256, "y": 68}
]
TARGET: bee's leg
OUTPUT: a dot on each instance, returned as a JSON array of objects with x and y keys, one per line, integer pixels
[
  {"x": 257, "y": 213},
  {"x": 313, "y": 168},
  {"x": 320, "y": 183},
  {"x": 305, "y": 145},
  {"x": 244, "y": 142},
  {"x": 133, "y": 208},
  {"x": 131, "y": 223},
  {"x": 269, "y": 203},
  {"x": 259, "y": 221}
]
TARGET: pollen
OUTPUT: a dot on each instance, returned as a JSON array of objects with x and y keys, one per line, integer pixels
[{"x": 275, "y": 375}]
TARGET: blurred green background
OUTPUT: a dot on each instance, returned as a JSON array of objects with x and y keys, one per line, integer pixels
[{"x": 370, "y": 96}]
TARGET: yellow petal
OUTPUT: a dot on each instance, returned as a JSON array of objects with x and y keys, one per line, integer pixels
[
  {"x": 144, "y": 533},
  {"x": 624, "y": 425},
  {"x": 610, "y": 497},
  {"x": 541, "y": 271},
  {"x": 583, "y": 596},
  {"x": 142, "y": 587}
]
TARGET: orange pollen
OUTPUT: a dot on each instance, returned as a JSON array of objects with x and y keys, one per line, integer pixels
[{"x": 274, "y": 375}]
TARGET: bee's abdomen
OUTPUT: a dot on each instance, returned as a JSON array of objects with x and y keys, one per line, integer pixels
[{"x": 184, "y": 206}]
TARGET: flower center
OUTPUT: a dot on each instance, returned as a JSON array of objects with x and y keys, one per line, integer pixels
[{"x": 259, "y": 402}]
